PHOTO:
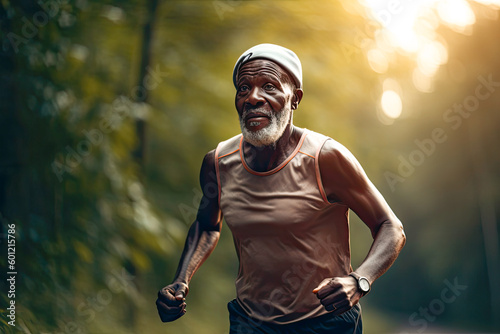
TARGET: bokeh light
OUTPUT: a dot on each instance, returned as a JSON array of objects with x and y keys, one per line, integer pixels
[
  {"x": 430, "y": 57},
  {"x": 391, "y": 104},
  {"x": 457, "y": 14},
  {"x": 378, "y": 60},
  {"x": 410, "y": 28}
]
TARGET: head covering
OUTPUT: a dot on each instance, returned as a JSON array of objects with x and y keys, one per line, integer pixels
[{"x": 280, "y": 55}]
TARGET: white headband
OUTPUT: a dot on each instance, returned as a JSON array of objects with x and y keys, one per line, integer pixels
[{"x": 282, "y": 56}]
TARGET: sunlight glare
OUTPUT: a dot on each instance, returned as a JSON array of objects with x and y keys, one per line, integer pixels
[
  {"x": 391, "y": 104},
  {"x": 457, "y": 14},
  {"x": 411, "y": 28},
  {"x": 410, "y": 25},
  {"x": 377, "y": 61},
  {"x": 494, "y": 3},
  {"x": 391, "y": 84},
  {"x": 430, "y": 57},
  {"x": 422, "y": 82},
  {"x": 407, "y": 39}
]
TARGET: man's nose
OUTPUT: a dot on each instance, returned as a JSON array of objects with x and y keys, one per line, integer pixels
[{"x": 255, "y": 98}]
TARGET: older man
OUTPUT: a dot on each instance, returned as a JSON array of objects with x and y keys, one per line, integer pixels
[{"x": 285, "y": 193}]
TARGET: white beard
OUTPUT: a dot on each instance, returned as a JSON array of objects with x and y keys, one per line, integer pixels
[{"x": 269, "y": 135}]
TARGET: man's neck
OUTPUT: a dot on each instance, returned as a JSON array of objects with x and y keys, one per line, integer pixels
[{"x": 262, "y": 159}]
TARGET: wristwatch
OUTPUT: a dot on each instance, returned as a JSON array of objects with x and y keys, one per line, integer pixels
[{"x": 363, "y": 283}]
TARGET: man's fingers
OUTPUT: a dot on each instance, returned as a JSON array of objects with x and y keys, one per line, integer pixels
[
  {"x": 170, "y": 313},
  {"x": 330, "y": 307},
  {"x": 325, "y": 291},
  {"x": 179, "y": 295},
  {"x": 180, "y": 291},
  {"x": 171, "y": 301},
  {"x": 169, "y": 307},
  {"x": 167, "y": 296},
  {"x": 167, "y": 317},
  {"x": 327, "y": 287},
  {"x": 316, "y": 289},
  {"x": 334, "y": 298},
  {"x": 344, "y": 307},
  {"x": 321, "y": 285},
  {"x": 337, "y": 307}
]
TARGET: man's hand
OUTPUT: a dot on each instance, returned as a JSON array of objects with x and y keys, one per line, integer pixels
[
  {"x": 171, "y": 301},
  {"x": 338, "y": 294}
]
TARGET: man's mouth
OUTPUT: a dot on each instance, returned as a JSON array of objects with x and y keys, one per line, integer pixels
[{"x": 256, "y": 121}]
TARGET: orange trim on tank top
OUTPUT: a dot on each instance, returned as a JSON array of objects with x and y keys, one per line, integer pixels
[
  {"x": 306, "y": 154},
  {"x": 278, "y": 168},
  {"x": 318, "y": 174},
  {"x": 217, "y": 174},
  {"x": 225, "y": 155}
]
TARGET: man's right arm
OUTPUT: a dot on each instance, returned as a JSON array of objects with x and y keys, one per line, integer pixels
[{"x": 200, "y": 242}]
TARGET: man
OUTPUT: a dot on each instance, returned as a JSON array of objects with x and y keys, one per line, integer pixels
[{"x": 285, "y": 193}]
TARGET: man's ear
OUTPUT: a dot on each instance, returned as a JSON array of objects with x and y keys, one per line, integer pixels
[{"x": 297, "y": 97}]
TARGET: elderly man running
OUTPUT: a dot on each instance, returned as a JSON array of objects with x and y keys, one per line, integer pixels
[{"x": 285, "y": 193}]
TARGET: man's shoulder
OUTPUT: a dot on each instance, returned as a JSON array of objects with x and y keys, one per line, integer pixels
[
  {"x": 313, "y": 135},
  {"x": 334, "y": 156},
  {"x": 228, "y": 146},
  {"x": 321, "y": 143},
  {"x": 235, "y": 138},
  {"x": 329, "y": 148}
]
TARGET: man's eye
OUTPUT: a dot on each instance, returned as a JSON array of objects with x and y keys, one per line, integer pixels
[
  {"x": 269, "y": 87},
  {"x": 243, "y": 88}
]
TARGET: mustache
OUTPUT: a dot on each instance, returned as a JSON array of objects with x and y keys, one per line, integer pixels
[{"x": 259, "y": 110}]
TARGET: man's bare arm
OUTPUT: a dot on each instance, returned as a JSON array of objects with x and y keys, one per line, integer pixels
[
  {"x": 345, "y": 182},
  {"x": 201, "y": 240}
]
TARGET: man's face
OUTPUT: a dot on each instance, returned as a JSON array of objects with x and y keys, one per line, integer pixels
[{"x": 263, "y": 101}]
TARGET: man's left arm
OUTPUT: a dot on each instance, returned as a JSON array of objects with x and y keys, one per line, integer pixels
[{"x": 345, "y": 181}]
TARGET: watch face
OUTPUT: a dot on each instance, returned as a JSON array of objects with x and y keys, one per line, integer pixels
[{"x": 364, "y": 284}]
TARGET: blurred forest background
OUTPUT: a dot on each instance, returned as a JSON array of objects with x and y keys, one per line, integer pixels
[{"x": 108, "y": 107}]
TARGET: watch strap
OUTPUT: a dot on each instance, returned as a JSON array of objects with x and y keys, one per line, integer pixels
[
  {"x": 358, "y": 277},
  {"x": 355, "y": 275}
]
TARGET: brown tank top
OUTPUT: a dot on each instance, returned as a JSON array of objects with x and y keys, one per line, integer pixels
[{"x": 287, "y": 235}]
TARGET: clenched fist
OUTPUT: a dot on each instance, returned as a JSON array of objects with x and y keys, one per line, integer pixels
[
  {"x": 338, "y": 294},
  {"x": 171, "y": 301}
]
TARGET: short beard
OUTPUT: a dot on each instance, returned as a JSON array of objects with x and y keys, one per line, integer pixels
[{"x": 269, "y": 135}]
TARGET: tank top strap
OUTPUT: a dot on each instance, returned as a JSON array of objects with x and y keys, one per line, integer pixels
[
  {"x": 228, "y": 146},
  {"x": 313, "y": 143},
  {"x": 225, "y": 148},
  {"x": 312, "y": 147}
]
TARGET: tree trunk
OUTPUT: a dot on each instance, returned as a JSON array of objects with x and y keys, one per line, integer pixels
[
  {"x": 140, "y": 123},
  {"x": 139, "y": 153}
]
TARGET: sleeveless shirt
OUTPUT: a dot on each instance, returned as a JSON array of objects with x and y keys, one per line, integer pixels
[{"x": 287, "y": 235}]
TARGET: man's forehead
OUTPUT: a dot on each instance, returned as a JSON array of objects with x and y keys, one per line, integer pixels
[{"x": 262, "y": 66}]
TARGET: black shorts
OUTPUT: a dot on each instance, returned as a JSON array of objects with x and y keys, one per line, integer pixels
[{"x": 347, "y": 323}]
